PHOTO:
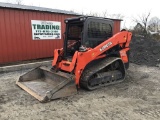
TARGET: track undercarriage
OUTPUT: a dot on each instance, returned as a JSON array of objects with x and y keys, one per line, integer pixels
[{"x": 105, "y": 72}]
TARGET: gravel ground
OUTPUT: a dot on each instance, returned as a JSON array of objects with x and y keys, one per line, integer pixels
[{"x": 137, "y": 98}]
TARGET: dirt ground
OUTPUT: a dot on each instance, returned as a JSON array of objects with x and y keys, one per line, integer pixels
[
  {"x": 137, "y": 98},
  {"x": 145, "y": 51}
]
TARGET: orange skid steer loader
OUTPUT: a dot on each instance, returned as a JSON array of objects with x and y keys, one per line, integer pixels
[{"x": 91, "y": 57}]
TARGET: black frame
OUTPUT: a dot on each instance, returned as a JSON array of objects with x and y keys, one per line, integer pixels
[{"x": 86, "y": 22}]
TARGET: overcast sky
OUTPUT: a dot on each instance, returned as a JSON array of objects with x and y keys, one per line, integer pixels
[{"x": 127, "y": 8}]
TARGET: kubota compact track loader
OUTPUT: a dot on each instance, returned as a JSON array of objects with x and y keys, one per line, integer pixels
[{"x": 91, "y": 57}]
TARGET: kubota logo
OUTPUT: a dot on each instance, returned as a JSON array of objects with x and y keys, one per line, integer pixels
[{"x": 106, "y": 46}]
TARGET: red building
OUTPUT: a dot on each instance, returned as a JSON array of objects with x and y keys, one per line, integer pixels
[{"x": 17, "y": 40}]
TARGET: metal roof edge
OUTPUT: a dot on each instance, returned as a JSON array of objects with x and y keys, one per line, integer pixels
[
  {"x": 43, "y": 9},
  {"x": 35, "y": 8}
]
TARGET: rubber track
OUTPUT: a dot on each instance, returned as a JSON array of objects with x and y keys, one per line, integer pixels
[{"x": 87, "y": 73}]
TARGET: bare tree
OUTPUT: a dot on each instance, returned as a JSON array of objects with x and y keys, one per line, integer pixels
[
  {"x": 82, "y": 13},
  {"x": 19, "y": 2},
  {"x": 138, "y": 29},
  {"x": 72, "y": 10},
  {"x": 105, "y": 14},
  {"x": 153, "y": 24},
  {"x": 124, "y": 24},
  {"x": 94, "y": 14},
  {"x": 116, "y": 16},
  {"x": 143, "y": 21}
]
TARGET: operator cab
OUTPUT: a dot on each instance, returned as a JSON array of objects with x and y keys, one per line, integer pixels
[{"x": 85, "y": 32}]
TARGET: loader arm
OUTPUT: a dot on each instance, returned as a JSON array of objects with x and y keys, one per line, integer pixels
[{"x": 81, "y": 59}]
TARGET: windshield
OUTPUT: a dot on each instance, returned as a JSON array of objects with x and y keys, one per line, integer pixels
[{"x": 74, "y": 31}]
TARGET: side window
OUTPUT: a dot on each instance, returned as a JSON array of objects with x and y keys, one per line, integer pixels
[{"x": 99, "y": 30}]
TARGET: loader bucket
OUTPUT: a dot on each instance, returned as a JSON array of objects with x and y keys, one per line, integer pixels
[{"x": 46, "y": 85}]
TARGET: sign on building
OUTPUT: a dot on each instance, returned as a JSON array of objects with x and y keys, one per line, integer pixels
[{"x": 46, "y": 29}]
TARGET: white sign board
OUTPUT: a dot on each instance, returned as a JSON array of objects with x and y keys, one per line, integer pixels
[{"x": 46, "y": 30}]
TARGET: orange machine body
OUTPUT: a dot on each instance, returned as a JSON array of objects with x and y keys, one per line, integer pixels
[{"x": 81, "y": 59}]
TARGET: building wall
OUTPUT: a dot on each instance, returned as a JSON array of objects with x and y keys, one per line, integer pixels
[
  {"x": 116, "y": 27},
  {"x": 16, "y": 42}
]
